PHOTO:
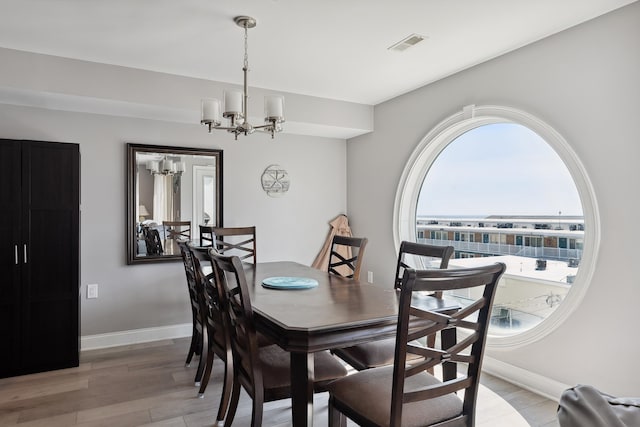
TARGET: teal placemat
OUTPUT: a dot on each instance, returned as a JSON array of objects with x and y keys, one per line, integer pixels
[{"x": 289, "y": 283}]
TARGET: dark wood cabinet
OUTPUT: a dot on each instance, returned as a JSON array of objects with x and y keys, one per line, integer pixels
[{"x": 39, "y": 256}]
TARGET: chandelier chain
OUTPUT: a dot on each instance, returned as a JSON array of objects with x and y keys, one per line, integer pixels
[{"x": 246, "y": 48}]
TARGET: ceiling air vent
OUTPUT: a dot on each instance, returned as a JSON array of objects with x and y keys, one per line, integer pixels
[{"x": 406, "y": 43}]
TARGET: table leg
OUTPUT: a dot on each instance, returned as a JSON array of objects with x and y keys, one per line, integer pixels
[{"x": 302, "y": 378}]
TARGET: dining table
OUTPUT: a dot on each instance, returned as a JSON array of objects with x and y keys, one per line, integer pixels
[{"x": 336, "y": 313}]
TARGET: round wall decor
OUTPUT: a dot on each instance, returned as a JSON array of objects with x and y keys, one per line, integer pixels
[{"x": 275, "y": 181}]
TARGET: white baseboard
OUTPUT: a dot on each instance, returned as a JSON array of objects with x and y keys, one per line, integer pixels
[
  {"x": 547, "y": 387},
  {"x": 135, "y": 336}
]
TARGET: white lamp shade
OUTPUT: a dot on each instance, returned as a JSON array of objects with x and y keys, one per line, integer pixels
[
  {"x": 153, "y": 166},
  {"x": 274, "y": 107},
  {"x": 232, "y": 102},
  {"x": 167, "y": 166},
  {"x": 210, "y": 110}
]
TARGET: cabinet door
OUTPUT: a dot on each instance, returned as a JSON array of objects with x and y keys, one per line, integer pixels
[
  {"x": 10, "y": 257},
  {"x": 51, "y": 274}
]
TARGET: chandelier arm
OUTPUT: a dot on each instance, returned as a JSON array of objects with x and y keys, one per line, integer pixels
[
  {"x": 270, "y": 128},
  {"x": 234, "y": 128}
]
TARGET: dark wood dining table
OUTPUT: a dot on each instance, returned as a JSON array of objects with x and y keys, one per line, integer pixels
[{"x": 337, "y": 313}]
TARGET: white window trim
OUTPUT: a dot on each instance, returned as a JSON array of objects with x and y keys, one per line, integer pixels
[{"x": 471, "y": 116}]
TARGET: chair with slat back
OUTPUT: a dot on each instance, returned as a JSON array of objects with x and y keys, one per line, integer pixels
[
  {"x": 238, "y": 241},
  {"x": 177, "y": 229},
  {"x": 425, "y": 256},
  {"x": 263, "y": 372},
  {"x": 380, "y": 353},
  {"x": 431, "y": 256},
  {"x": 217, "y": 337},
  {"x": 152, "y": 241},
  {"x": 405, "y": 393},
  {"x": 206, "y": 236},
  {"x": 345, "y": 258},
  {"x": 198, "y": 328}
]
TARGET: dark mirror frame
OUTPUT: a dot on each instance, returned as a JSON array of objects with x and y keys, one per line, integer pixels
[{"x": 131, "y": 220}]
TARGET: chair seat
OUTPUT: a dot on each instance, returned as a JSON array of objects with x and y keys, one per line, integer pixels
[
  {"x": 376, "y": 383},
  {"x": 371, "y": 355},
  {"x": 276, "y": 371}
]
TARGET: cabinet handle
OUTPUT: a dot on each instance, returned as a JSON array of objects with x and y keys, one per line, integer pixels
[
  {"x": 16, "y": 253},
  {"x": 25, "y": 253}
]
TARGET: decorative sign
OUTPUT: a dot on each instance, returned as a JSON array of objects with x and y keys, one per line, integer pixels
[{"x": 275, "y": 181}]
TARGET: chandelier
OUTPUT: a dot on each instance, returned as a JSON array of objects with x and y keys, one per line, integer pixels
[
  {"x": 235, "y": 102},
  {"x": 166, "y": 166}
]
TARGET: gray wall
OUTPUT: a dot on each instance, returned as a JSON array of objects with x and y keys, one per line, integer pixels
[
  {"x": 585, "y": 83},
  {"x": 292, "y": 227}
]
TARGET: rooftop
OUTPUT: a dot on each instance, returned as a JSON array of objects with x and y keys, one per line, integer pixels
[{"x": 555, "y": 271}]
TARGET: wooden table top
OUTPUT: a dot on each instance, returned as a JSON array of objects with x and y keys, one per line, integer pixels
[{"x": 337, "y": 313}]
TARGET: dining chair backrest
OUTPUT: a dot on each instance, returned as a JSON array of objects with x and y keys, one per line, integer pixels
[
  {"x": 238, "y": 241},
  {"x": 206, "y": 236},
  {"x": 177, "y": 229},
  {"x": 473, "y": 319},
  {"x": 212, "y": 310},
  {"x": 152, "y": 241},
  {"x": 217, "y": 334},
  {"x": 429, "y": 256},
  {"x": 240, "y": 325},
  {"x": 346, "y": 255},
  {"x": 194, "y": 300},
  {"x": 192, "y": 283}
]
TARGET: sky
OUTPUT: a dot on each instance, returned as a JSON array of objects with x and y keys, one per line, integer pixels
[{"x": 498, "y": 169}]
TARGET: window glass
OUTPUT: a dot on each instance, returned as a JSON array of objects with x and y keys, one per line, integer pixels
[
  {"x": 506, "y": 185},
  {"x": 511, "y": 153}
]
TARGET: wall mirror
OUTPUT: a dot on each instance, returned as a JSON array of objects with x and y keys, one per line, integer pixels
[{"x": 171, "y": 192}]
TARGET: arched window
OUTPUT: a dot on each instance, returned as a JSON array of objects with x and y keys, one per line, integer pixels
[{"x": 500, "y": 185}]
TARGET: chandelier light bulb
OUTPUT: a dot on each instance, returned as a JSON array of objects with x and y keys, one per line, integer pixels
[
  {"x": 210, "y": 111},
  {"x": 274, "y": 107},
  {"x": 232, "y": 103}
]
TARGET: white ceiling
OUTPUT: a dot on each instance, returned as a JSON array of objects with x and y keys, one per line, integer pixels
[{"x": 331, "y": 48}]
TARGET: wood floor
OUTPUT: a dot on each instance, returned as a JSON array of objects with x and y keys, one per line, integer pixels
[{"x": 149, "y": 385}]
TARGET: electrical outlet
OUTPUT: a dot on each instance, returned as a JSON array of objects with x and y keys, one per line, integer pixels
[
  {"x": 92, "y": 290},
  {"x": 370, "y": 276}
]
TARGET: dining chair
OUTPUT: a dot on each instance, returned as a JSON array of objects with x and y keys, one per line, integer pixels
[
  {"x": 405, "y": 393},
  {"x": 425, "y": 256},
  {"x": 263, "y": 372},
  {"x": 152, "y": 241},
  {"x": 381, "y": 352},
  {"x": 239, "y": 241},
  {"x": 206, "y": 236},
  {"x": 177, "y": 229},
  {"x": 197, "y": 331},
  {"x": 217, "y": 336},
  {"x": 346, "y": 255}
]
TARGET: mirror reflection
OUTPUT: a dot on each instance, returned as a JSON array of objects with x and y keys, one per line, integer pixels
[{"x": 172, "y": 192}]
